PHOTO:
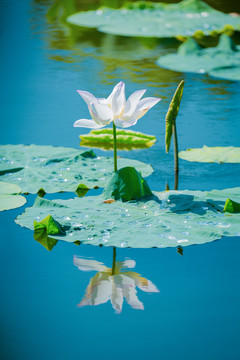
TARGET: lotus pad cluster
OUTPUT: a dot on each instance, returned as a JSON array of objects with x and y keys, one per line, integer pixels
[
  {"x": 9, "y": 198},
  {"x": 167, "y": 219},
  {"x": 57, "y": 168},
  {"x": 227, "y": 154},
  {"x": 221, "y": 61},
  {"x": 147, "y": 19}
]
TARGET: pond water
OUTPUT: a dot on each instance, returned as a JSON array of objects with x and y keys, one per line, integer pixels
[{"x": 196, "y": 313}]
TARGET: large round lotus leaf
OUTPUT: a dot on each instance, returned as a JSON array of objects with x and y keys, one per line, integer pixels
[
  {"x": 191, "y": 58},
  {"x": 168, "y": 219},
  {"x": 57, "y": 168},
  {"x": 9, "y": 198},
  {"x": 148, "y": 19},
  {"x": 126, "y": 139},
  {"x": 228, "y": 154}
]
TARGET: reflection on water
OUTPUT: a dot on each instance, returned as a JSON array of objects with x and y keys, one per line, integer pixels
[{"x": 115, "y": 284}]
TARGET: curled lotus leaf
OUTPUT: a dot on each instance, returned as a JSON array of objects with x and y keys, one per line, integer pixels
[
  {"x": 9, "y": 198},
  {"x": 55, "y": 169},
  {"x": 190, "y": 57},
  {"x": 231, "y": 206},
  {"x": 148, "y": 19},
  {"x": 126, "y": 139},
  {"x": 172, "y": 114},
  {"x": 219, "y": 154},
  {"x": 168, "y": 219}
]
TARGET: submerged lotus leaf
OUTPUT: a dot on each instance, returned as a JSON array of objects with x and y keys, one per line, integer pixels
[
  {"x": 168, "y": 219},
  {"x": 219, "y": 154},
  {"x": 190, "y": 57},
  {"x": 55, "y": 169},
  {"x": 147, "y": 19},
  {"x": 126, "y": 139},
  {"x": 9, "y": 198}
]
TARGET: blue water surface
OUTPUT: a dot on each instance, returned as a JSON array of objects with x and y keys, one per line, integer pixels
[{"x": 196, "y": 313}]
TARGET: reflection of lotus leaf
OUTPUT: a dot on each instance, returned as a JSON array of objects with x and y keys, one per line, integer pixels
[
  {"x": 126, "y": 139},
  {"x": 9, "y": 198},
  {"x": 191, "y": 58},
  {"x": 57, "y": 168},
  {"x": 169, "y": 219},
  {"x": 157, "y": 19},
  {"x": 105, "y": 286},
  {"x": 219, "y": 154}
]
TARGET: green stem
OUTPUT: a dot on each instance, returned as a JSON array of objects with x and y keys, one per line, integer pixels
[
  {"x": 176, "y": 168},
  {"x": 114, "y": 260},
  {"x": 115, "y": 146},
  {"x": 176, "y": 180}
]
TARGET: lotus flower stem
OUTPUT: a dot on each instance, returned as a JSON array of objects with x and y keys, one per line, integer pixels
[
  {"x": 114, "y": 260},
  {"x": 176, "y": 167},
  {"x": 176, "y": 181},
  {"x": 115, "y": 146}
]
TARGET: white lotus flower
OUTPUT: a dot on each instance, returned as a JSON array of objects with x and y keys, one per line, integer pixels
[
  {"x": 104, "y": 286},
  {"x": 115, "y": 108}
]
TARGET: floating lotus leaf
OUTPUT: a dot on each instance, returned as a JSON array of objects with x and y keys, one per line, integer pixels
[
  {"x": 57, "y": 168},
  {"x": 9, "y": 198},
  {"x": 168, "y": 219},
  {"x": 190, "y": 57},
  {"x": 219, "y": 154},
  {"x": 126, "y": 139},
  {"x": 232, "y": 73},
  {"x": 160, "y": 20},
  {"x": 217, "y": 198}
]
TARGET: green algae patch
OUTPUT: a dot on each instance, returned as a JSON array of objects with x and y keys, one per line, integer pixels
[
  {"x": 167, "y": 219},
  {"x": 9, "y": 196},
  {"x": 227, "y": 154},
  {"x": 126, "y": 139},
  {"x": 54, "y": 169},
  {"x": 148, "y": 19}
]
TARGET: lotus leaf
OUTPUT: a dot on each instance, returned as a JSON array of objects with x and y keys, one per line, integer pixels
[
  {"x": 217, "y": 198},
  {"x": 126, "y": 139},
  {"x": 232, "y": 73},
  {"x": 231, "y": 206},
  {"x": 190, "y": 57},
  {"x": 228, "y": 154},
  {"x": 57, "y": 168},
  {"x": 127, "y": 184},
  {"x": 9, "y": 198},
  {"x": 157, "y": 19},
  {"x": 168, "y": 219}
]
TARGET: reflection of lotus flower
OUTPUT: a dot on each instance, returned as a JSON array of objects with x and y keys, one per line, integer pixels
[
  {"x": 104, "y": 286},
  {"x": 115, "y": 108}
]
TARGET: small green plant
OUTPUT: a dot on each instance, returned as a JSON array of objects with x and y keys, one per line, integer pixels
[{"x": 171, "y": 128}]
